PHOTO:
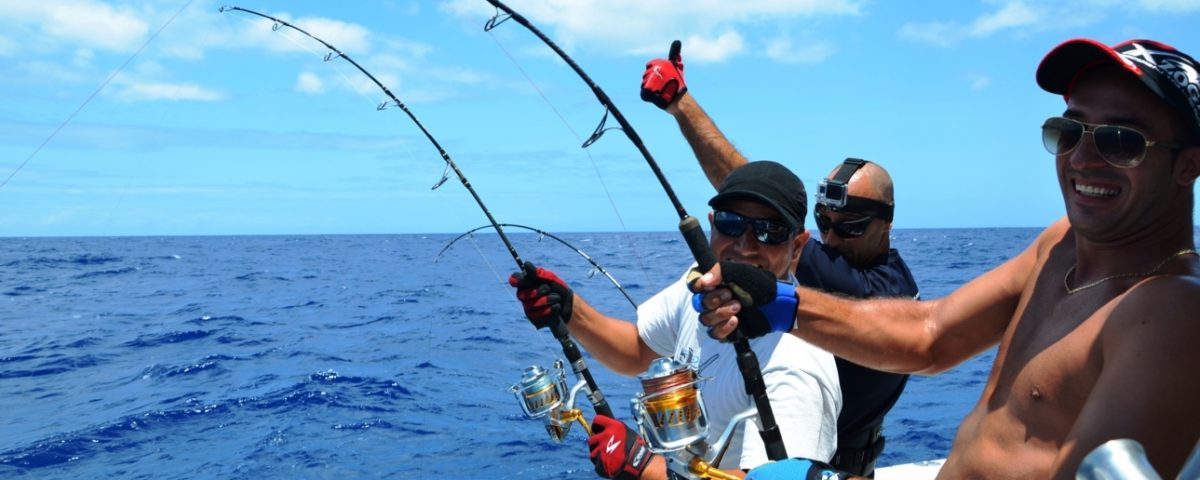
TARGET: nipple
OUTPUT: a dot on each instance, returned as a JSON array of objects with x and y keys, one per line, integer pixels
[{"x": 1036, "y": 394}]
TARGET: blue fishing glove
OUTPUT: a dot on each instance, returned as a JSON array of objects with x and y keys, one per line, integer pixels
[
  {"x": 796, "y": 469},
  {"x": 768, "y": 305},
  {"x": 662, "y": 83},
  {"x": 542, "y": 294}
]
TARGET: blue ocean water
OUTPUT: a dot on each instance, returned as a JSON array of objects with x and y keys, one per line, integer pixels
[{"x": 346, "y": 356}]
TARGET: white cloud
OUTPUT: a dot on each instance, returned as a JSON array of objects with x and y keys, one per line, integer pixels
[
  {"x": 350, "y": 38},
  {"x": 716, "y": 49},
  {"x": 42, "y": 71},
  {"x": 979, "y": 81},
  {"x": 308, "y": 82},
  {"x": 1164, "y": 6},
  {"x": 1021, "y": 16},
  {"x": 714, "y": 30},
  {"x": 938, "y": 34},
  {"x": 1011, "y": 15},
  {"x": 75, "y": 22},
  {"x": 83, "y": 57},
  {"x": 7, "y": 46},
  {"x": 149, "y": 91},
  {"x": 783, "y": 50}
]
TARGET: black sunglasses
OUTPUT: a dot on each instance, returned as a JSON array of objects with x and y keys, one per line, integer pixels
[
  {"x": 767, "y": 232},
  {"x": 845, "y": 228},
  {"x": 1122, "y": 147}
]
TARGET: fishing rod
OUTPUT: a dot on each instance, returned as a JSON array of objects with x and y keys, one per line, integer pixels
[
  {"x": 557, "y": 327},
  {"x": 595, "y": 265},
  {"x": 690, "y": 228}
]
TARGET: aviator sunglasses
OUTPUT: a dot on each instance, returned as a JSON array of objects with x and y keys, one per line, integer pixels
[
  {"x": 767, "y": 232},
  {"x": 1121, "y": 147}
]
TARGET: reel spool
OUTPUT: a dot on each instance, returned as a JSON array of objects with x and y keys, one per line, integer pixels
[
  {"x": 541, "y": 394},
  {"x": 670, "y": 412}
]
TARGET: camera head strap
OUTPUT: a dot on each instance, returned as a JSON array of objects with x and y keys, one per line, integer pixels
[{"x": 834, "y": 193}]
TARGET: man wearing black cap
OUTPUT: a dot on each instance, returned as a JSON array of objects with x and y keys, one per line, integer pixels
[
  {"x": 854, "y": 210},
  {"x": 1096, "y": 320},
  {"x": 757, "y": 219}
]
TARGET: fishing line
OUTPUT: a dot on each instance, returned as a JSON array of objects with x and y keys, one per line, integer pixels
[
  {"x": 502, "y": 287},
  {"x": 596, "y": 267},
  {"x": 326, "y": 59},
  {"x": 89, "y": 98},
  {"x": 689, "y": 227},
  {"x": 595, "y": 167},
  {"x": 557, "y": 326}
]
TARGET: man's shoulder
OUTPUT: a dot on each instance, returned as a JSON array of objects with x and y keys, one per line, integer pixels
[{"x": 1169, "y": 296}]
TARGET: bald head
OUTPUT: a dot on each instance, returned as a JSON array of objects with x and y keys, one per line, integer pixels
[{"x": 871, "y": 181}]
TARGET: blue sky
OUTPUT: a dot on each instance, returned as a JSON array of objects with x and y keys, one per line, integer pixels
[{"x": 222, "y": 126}]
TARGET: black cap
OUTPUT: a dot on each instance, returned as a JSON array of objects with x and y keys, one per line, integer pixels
[
  {"x": 1172, "y": 75},
  {"x": 770, "y": 184}
]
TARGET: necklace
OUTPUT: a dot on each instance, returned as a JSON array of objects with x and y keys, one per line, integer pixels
[{"x": 1067, "y": 284}]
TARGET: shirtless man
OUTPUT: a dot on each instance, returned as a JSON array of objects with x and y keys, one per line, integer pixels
[{"x": 1096, "y": 320}]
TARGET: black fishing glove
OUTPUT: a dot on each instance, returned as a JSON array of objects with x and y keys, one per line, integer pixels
[
  {"x": 543, "y": 295},
  {"x": 796, "y": 468},
  {"x": 768, "y": 305},
  {"x": 616, "y": 450},
  {"x": 662, "y": 83}
]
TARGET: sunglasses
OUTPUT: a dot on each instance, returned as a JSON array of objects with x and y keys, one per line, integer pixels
[
  {"x": 767, "y": 232},
  {"x": 845, "y": 228},
  {"x": 1121, "y": 147}
]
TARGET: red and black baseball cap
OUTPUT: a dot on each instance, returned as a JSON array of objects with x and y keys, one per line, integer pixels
[{"x": 1172, "y": 75}]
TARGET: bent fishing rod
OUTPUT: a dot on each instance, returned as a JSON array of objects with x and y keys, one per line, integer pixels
[
  {"x": 690, "y": 228},
  {"x": 596, "y": 267},
  {"x": 557, "y": 327}
]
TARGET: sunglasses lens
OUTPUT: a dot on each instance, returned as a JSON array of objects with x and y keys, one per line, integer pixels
[
  {"x": 765, "y": 231},
  {"x": 770, "y": 233},
  {"x": 853, "y": 228},
  {"x": 729, "y": 224},
  {"x": 1061, "y": 135},
  {"x": 845, "y": 229},
  {"x": 1119, "y": 145}
]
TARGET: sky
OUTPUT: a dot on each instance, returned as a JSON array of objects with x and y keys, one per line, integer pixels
[{"x": 169, "y": 117}]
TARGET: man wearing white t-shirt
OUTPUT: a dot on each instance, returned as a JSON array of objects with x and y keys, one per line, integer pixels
[{"x": 757, "y": 219}]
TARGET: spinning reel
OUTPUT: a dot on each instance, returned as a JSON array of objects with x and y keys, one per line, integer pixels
[
  {"x": 540, "y": 394},
  {"x": 671, "y": 416}
]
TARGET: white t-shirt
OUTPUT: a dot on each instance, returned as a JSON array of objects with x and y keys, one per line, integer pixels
[{"x": 801, "y": 380}]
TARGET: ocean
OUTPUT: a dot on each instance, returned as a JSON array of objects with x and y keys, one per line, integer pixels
[{"x": 348, "y": 356}]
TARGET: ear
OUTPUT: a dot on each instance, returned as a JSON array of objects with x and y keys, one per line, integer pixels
[
  {"x": 1187, "y": 165},
  {"x": 798, "y": 243}
]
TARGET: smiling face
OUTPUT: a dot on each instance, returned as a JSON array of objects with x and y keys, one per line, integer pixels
[
  {"x": 780, "y": 259},
  {"x": 1105, "y": 203}
]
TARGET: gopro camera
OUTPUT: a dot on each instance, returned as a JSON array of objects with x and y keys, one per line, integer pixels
[{"x": 833, "y": 192}]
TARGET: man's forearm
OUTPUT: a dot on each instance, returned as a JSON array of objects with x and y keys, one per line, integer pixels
[
  {"x": 614, "y": 342},
  {"x": 717, "y": 156}
]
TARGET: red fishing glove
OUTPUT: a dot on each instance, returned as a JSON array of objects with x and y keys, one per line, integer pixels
[
  {"x": 662, "y": 84},
  {"x": 543, "y": 295},
  {"x": 617, "y": 451}
]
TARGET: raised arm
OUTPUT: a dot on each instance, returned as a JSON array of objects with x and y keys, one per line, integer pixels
[
  {"x": 663, "y": 85},
  {"x": 716, "y": 154}
]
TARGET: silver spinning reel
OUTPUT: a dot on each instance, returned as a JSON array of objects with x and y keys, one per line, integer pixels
[
  {"x": 671, "y": 416},
  {"x": 541, "y": 393}
]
